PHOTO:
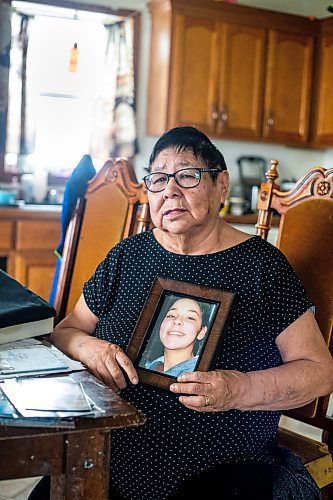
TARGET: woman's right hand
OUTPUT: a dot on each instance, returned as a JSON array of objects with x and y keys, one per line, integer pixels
[{"x": 108, "y": 362}]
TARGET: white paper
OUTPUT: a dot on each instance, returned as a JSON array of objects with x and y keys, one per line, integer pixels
[
  {"x": 27, "y": 360},
  {"x": 46, "y": 397},
  {"x": 58, "y": 362}
]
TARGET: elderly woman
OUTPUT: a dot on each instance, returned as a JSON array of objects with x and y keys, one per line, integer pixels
[{"x": 217, "y": 427}]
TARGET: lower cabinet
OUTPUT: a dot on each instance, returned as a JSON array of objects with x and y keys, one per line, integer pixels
[
  {"x": 35, "y": 270},
  {"x": 28, "y": 238}
]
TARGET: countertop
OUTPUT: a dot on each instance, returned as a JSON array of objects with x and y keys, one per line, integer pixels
[
  {"x": 27, "y": 211},
  {"x": 248, "y": 219},
  {"x": 22, "y": 210}
]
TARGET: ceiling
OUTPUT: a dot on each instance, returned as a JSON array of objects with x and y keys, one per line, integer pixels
[
  {"x": 41, "y": 9},
  {"x": 311, "y": 8},
  {"x": 308, "y": 8}
]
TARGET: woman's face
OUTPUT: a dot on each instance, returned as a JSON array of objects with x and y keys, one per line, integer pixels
[
  {"x": 178, "y": 210},
  {"x": 182, "y": 325}
]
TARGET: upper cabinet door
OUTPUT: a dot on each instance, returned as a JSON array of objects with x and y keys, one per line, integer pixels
[
  {"x": 235, "y": 72},
  {"x": 323, "y": 133},
  {"x": 288, "y": 87},
  {"x": 192, "y": 93},
  {"x": 241, "y": 81}
]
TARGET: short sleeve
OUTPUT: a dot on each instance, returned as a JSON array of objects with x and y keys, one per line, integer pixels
[
  {"x": 289, "y": 299},
  {"x": 99, "y": 289}
]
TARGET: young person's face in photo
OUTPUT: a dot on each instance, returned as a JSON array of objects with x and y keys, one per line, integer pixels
[{"x": 182, "y": 325}]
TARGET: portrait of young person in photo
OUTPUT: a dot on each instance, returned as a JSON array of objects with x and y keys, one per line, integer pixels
[{"x": 180, "y": 334}]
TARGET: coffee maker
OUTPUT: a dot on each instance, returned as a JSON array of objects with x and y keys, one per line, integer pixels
[{"x": 252, "y": 171}]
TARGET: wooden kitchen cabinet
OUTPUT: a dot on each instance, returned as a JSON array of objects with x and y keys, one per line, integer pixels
[
  {"x": 35, "y": 270},
  {"x": 217, "y": 76},
  {"x": 241, "y": 81},
  {"x": 37, "y": 234},
  {"x": 212, "y": 70},
  {"x": 287, "y": 98},
  {"x": 6, "y": 235},
  {"x": 194, "y": 75},
  {"x": 28, "y": 237},
  {"x": 323, "y": 124},
  {"x": 233, "y": 71}
]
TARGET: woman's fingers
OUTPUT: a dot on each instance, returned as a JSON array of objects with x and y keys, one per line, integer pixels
[
  {"x": 110, "y": 364},
  {"x": 191, "y": 387},
  {"x": 198, "y": 391},
  {"x": 127, "y": 365},
  {"x": 118, "y": 365},
  {"x": 104, "y": 375}
]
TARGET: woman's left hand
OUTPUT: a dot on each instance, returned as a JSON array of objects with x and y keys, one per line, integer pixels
[{"x": 206, "y": 391}]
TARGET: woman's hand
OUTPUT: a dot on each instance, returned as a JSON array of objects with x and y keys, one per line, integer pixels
[
  {"x": 73, "y": 336},
  {"x": 207, "y": 391},
  {"x": 108, "y": 362}
]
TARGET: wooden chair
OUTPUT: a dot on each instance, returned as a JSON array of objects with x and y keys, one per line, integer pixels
[
  {"x": 114, "y": 207},
  {"x": 305, "y": 236}
]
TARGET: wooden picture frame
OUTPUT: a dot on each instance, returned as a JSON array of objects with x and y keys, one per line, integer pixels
[{"x": 213, "y": 308}]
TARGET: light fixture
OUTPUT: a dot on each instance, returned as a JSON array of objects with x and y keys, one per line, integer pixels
[{"x": 73, "y": 58}]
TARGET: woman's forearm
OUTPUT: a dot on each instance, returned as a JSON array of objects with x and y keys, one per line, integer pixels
[
  {"x": 74, "y": 333},
  {"x": 306, "y": 372},
  {"x": 291, "y": 385},
  {"x": 70, "y": 340}
]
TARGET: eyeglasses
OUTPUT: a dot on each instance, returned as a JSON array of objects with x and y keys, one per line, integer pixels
[{"x": 185, "y": 177}]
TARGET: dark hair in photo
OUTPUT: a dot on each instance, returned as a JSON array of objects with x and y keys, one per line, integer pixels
[{"x": 189, "y": 138}]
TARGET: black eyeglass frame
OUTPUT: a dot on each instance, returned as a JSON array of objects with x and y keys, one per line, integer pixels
[{"x": 199, "y": 170}]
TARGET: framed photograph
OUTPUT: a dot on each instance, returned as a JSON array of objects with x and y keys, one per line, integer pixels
[{"x": 179, "y": 330}]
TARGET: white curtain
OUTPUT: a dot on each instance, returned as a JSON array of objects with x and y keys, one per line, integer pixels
[
  {"x": 113, "y": 125},
  {"x": 20, "y": 126},
  {"x": 5, "y": 33}
]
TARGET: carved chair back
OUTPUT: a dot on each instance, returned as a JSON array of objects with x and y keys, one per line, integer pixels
[
  {"x": 305, "y": 236},
  {"x": 114, "y": 207}
]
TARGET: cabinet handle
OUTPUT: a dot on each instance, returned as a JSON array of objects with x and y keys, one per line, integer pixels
[
  {"x": 223, "y": 116},
  {"x": 270, "y": 121},
  {"x": 215, "y": 115}
]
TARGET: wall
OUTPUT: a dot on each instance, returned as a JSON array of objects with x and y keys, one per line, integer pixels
[{"x": 316, "y": 8}]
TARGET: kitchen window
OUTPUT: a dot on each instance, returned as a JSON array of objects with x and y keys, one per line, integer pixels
[{"x": 56, "y": 114}]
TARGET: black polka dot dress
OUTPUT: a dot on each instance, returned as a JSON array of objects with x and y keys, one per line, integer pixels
[{"x": 150, "y": 461}]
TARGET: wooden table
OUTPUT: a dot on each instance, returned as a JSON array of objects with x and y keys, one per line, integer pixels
[{"x": 77, "y": 459}]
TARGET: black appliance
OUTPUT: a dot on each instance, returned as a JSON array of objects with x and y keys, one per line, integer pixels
[{"x": 252, "y": 171}]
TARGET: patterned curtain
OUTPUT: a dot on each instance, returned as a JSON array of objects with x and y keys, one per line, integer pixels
[
  {"x": 20, "y": 132},
  {"x": 113, "y": 124},
  {"x": 5, "y": 34}
]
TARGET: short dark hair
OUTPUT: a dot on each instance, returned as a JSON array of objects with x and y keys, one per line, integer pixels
[{"x": 190, "y": 138}]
